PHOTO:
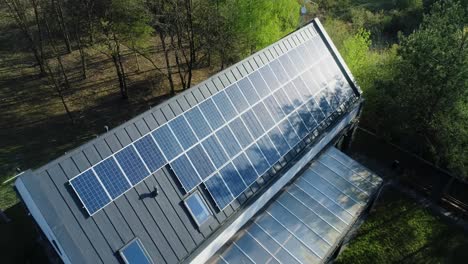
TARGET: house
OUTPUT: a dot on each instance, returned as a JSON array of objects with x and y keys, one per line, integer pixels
[{"x": 203, "y": 176}]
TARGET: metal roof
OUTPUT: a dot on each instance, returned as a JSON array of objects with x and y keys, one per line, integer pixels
[{"x": 162, "y": 224}]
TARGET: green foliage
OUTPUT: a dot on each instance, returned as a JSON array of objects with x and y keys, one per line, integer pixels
[
  {"x": 400, "y": 231},
  {"x": 429, "y": 92},
  {"x": 128, "y": 19},
  {"x": 258, "y": 23}
]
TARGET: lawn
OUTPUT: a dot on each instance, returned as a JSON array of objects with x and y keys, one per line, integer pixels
[{"x": 399, "y": 230}]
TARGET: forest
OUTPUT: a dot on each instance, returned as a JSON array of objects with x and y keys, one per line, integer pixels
[{"x": 71, "y": 69}]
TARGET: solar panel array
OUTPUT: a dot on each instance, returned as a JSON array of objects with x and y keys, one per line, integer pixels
[{"x": 233, "y": 137}]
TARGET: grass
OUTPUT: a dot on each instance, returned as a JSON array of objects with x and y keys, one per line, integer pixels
[{"x": 401, "y": 231}]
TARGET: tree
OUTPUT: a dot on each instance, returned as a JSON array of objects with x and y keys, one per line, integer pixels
[
  {"x": 18, "y": 9},
  {"x": 426, "y": 103},
  {"x": 123, "y": 21}
]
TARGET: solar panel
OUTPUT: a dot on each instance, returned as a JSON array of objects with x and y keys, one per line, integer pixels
[
  {"x": 167, "y": 142},
  {"x": 233, "y": 179},
  {"x": 219, "y": 191},
  {"x": 187, "y": 175},
  {"x": 228, "y": 141},
  {"x": 183, "y": 132},
  {"x": 245, "y": 169},
  {"x": 201, "y": 161},
  {"x": 259, "y": 84},
  {"x": 215, "y": 151},
  {"x": 132, "y": 165},
  {"x": 252, "y": 123},
  {"x": 225, "y": 106},
  {"x": 237, "y": 97},
  {"x": 249, "y": 91},
  {"x": 211, "y": 114},
  {"x": 112, "y": 177},
  {"x": 150, "y": 153},
  {"x": 257, "y": 158},
  {"x": 239, "y": 132},
  {"x": 268, "y": 149},
  {"x": 92, "y": 194},
  {"x": 198, "y": 122},
  {"x": 279, "y": 141},
  {"x": 263, "y": 116}
]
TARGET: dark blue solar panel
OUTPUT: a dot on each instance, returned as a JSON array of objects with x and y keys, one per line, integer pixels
[
  {"x": 241, "y": 133},
  {"x": 200, "y": 161},
  {"x": 150, "y": 153},
  {"x": 198, "y": 122},
  {"x": 248, "y": 90},
  {"x": 232, "y": 179},
  {"x": 293, "y": 95},
  {"x": 330, "y": 94},
  {"x": 245, "y": 169},
  {"x": 252, "y": 124},
  {"x": 269, "y": 77},
  {"x": 342, "y": 91},
  {"x": 314, "y": 109},
  {"x": 268, "y": 149},
  {"x": 90, "y": 191},
  {"x": 307, "y": 117},
  {"x": 263, "y": 116},
  {"x": 225, "y": 106},
  {"x": 112, "y": 177},
  {"x": 215, "y": 151},
  {"x": 167, "y": 142},
  {"x": 228, "y": 141},
  {"x": 237, "y": 98},
  {"x": 298, "y": 125},
  {"x": 132, "y": 165},
  {"x": 183, "y": 132},
  {"x": 289, "y": 133},
  {"x": 323, "y": 103},
  {"x": 274, "y": 108},
  {"x": 219, "y": 191},
  {"x": 288, "y": 65},
  {"x": 212, "y": 114},
  {"x": 281, "y": 75},
  {"x": 280, "y": 142},
  {"x": 185, "y": 173},
  {"x": 259, "y": 84},
  {"x": 259, "y": 162},
  {"x": 284, "y": 102}
]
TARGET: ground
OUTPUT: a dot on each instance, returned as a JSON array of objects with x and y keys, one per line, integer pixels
[{"x": 399, "y": 230}]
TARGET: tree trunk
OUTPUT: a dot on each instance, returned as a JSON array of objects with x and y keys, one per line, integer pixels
[
  {"x": 136, "y": 60},
  {"x": 168, "y": 63},
  {"x": 179, "y": 66},
  {"x": 39, "y": 29},
  {"x": 59, "y": 91},
  {"x": 82, "y": 55},
  {"x": 188, "y": 6},
  {"x": 120, "y": 68},
  {"x": 63, "y": 26},
  {"x": 19, "y": 14}
]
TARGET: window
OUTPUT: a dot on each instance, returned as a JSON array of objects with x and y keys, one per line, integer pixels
[
  {"x": 198, "y": 208},
  {"x": 134, "y": 252}
]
